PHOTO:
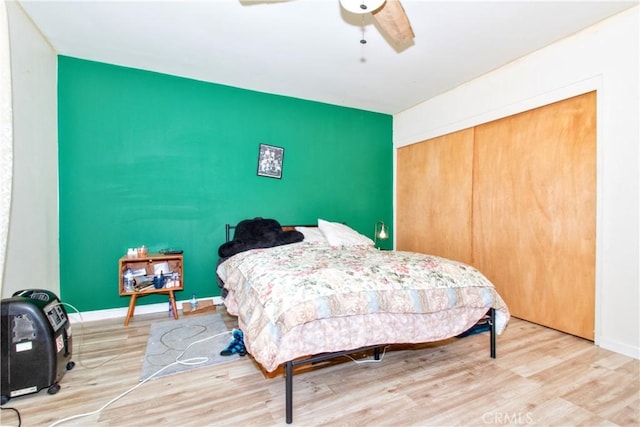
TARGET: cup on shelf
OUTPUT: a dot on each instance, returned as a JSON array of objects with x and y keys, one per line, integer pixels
[
  {"x": 142, "y": 251},
  {"x": 159, "y": 281}
]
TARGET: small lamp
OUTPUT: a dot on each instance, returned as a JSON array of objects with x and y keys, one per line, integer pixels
[
  {"x": 380, "y": 232},
  {"x": 361, "y": 6}
]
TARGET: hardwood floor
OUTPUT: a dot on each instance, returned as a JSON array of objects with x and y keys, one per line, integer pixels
[{"x": 541, "y": 377}]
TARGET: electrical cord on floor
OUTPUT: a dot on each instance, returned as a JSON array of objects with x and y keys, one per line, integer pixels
[
  {"x": 358, "y": 362},
  {"x": 191, "y": 361},
  {"x": 81, "y": 341},
  {"x": 17, "y": 414}
]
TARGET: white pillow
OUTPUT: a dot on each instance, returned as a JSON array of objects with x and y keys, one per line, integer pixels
[
  {"x": 341, "y": 235},
  {"x": 312, "y": 234}
]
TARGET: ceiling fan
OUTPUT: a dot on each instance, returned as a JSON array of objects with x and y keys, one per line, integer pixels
[{"x": 389, "y": 15}]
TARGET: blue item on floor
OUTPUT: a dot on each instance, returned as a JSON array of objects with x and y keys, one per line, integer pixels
[
  {"x": 478, "y": 328},
  {"x": 236, "y": 346}
]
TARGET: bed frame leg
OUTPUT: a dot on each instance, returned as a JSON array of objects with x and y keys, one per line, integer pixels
[
  {"x": 492, "y": 334},
  {"x": 288, "y": 380}
]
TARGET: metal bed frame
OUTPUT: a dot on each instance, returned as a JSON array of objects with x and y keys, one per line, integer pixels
[
  {"x": 489, "y": 318},
  {"x": 229, "y": 227},
  {"x": 288, "y": 366}
]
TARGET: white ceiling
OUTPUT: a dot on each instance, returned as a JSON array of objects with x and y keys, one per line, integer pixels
[{"x": 310, "y": 49}]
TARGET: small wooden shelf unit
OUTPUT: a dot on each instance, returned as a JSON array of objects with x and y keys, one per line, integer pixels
[{"x": 147, "y": 262}]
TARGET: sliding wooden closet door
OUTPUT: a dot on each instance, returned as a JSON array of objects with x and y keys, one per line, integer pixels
[
  {"x": 433, "y": 196},
  {"x": 534, "y": 212}
]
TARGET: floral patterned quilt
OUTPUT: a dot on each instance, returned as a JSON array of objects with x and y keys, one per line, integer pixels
[{"x": 282, "y": 292}]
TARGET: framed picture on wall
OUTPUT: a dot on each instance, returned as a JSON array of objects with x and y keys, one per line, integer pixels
[{"x": 270, "y": 161}]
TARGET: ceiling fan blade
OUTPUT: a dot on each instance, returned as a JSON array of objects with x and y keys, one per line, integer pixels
[{"x": 393, "y": 20}]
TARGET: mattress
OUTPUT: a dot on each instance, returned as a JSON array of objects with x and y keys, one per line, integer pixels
[{"x": 304, "y": 299}]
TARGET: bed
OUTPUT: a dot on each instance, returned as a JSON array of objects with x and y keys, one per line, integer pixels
[{"x": 333, "y": 293}]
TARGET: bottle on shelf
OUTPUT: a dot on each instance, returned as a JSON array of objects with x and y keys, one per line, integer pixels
[
  {"x": 128, "y": 280},
  {"x": 194, "y": 302}
]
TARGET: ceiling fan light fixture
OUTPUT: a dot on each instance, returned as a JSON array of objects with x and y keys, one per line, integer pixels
[{"x": 361, "y": 6}]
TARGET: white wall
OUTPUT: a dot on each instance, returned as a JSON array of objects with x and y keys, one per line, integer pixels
[
  {"x": 32, "y": 250},
  {"x": 6, "y": 137},
  {"x": 603, "y": 57}
]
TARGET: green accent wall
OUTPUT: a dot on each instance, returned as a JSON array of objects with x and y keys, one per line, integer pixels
[{"x": 163, "y": 161}]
